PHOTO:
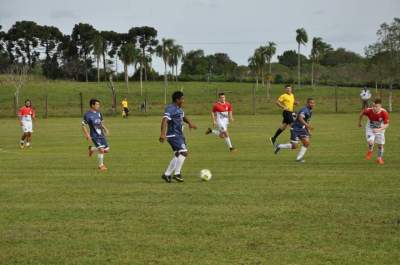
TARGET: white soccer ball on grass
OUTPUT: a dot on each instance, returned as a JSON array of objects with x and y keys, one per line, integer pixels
[{"x": 205, "y": 174}]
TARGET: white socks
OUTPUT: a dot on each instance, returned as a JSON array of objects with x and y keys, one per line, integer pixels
[
  {"x": 301, "y": 153},
  {"x": 228, "y": 142},
  {"x": 171, "y": 166},
  {"x": 100, "y": 158},
  {"x": 216, "y": 132},
  {"x": 285, "y": 146},
  {"x": 179, "y": 163}
]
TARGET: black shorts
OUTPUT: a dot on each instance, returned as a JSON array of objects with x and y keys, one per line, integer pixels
[
  {"x": 126, "y": 110},
  {"x": 287, "y": 117}
]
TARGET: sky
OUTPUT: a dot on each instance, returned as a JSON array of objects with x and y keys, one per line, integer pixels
[{"x": 233, "y": 27}]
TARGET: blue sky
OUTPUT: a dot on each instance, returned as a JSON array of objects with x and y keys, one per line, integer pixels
[{"x": 234, "y": 27}]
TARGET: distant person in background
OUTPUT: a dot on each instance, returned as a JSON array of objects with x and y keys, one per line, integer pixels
[
  {"x": 125, "y": 109},
  {"x": 365, "y": 96},
  {"x": 26, "y": 115}
]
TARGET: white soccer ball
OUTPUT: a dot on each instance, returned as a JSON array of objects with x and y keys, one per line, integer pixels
[{"x": 205, "y": 174}]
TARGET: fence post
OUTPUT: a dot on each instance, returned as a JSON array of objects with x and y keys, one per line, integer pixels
[
  {"x": 81, "y": 102},
  {"x": 254, "y": 100},
  {"x": 336, "y": 99}
]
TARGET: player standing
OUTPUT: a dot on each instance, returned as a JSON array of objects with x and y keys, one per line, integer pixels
[
  {"x": 172, "y": 131},
  {"x": 26, "y": 116},
  {"x": 221, "y": 116},
  {"x": 94, "y": 120},
  {"x": 124, "y": 106},
  {"x": 286, "y": 102},
  {"x": 300, "y": 131},
  {"x": 378, "y": 122}
]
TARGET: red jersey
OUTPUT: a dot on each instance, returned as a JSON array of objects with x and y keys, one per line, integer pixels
[
  {"x": 222, "y": 111},
  {"x": 376, "y": 119},
  {"x": 26, "y": 113}
]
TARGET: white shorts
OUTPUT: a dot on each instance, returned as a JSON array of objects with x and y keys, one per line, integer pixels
[
  {"x": 378, "y": 138},
  {"x": 27, "y": 127},
  {"x": 222, "y": 126}
]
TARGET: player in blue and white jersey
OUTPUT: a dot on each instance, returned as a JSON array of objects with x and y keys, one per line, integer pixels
[{"x": 172, "y": 131}]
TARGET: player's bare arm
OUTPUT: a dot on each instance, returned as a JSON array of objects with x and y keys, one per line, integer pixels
[
  {"x": 384, "y": 127},
  {"x": 360, "y": 118},
  {"x": 105, "y": 129},
  {"x": 85, "y": 132},
  {"x": 163, "y": 134},
  {"x": 191, "y": 125},
  {"x": 279, "y": 104},
  {"x": 307, "y": 125},
  {"x": 231, "y": 116},
  {"x": 213, "y": 119}
]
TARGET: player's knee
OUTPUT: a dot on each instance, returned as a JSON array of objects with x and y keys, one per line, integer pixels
[
  {"x": 295, "y": 145},
  {"x": 101, "y": 150},
  {"x": 185, "y": 153}
]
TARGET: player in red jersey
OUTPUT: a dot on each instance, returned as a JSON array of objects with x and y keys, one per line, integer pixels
[
  {"x": 221, "y": 116},
  {"x": 26, "y": 115},
  {"x": 378, "y": 121}
]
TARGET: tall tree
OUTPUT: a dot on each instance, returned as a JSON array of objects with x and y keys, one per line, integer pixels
[
  {"x": 318, "y": 50},
  {"x": 269, "y": 53},
  {"x": 163, "y": 50},
  {"x": 301, "y": 39},
  {"x": 98, "y": 50},
  {"x": 176, "y": 55},
  {"x": 128, "y": 55}
]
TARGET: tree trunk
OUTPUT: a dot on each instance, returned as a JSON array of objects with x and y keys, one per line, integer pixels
[
  {"x": 104, "y": 66},
  {"x": 298, "y": 66},
  {"x": 269, "y": 79},
  {"x": 98, "y": 69},
  {"x": 176, "y": 72},
  {"x": 126, "y": 77},
  {"x": 312, "y": 74},
  {"x": 262, "y": 77},
  {"x": 390, "y": 105},
  {"x": 165, "y": 82},
  {"x": 141, "y": 79}
]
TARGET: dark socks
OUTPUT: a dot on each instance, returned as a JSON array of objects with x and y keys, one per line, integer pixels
[{"x": 278, "y": 132}]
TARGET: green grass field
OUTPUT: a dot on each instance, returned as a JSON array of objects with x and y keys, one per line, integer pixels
[{"x": 336, "y": 208}]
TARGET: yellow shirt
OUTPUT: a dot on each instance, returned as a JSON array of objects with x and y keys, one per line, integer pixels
[
  {"x": 287, "y": 101},
  {"x": 124, "y": 103}
]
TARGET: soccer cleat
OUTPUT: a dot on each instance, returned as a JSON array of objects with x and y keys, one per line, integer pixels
[
  {"x": 369, "y": 155},
  {"x": 166, "y": 178},
  {"x": 300, "y": 160},
  {"x": 232, "y": 149},
  {"x": 380, "y": 161},
  {"x": 178, "y": 178},
  {"x": 21, "y": 145},
  {"x": 90, "y": 151},
  {"x": 208, "y": 131},
  {"x": 272, "y": 140},
  {"x": 277, "y": 149},
  {"x": 103, "y": 168}
]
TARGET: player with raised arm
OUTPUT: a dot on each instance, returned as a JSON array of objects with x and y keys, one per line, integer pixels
[
  {"x": 378, "y": 122},
  {"x": 172, "y": 131},
  {"x": 300, "y": 130},
  {"x": 221, "y": 115},
  {"x": 97, "y": 132},
  {"x": 286, "y": 102},
  {"x": 26, "y": 116}
]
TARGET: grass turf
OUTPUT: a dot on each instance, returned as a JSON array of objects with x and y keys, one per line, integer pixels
[{"x": 259, "y": 208}]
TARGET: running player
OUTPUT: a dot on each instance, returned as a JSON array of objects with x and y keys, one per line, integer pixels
[
  {"x": 378, "y": 122},
  {"x": 94, "y": 120},
  {"x": 172, "y": 131},
  {"x": 221, "y": 116},
  {"x": 26, "y": 116},
  {"x": 286, "y": 102},
  {"x": 300, "y": 131}
]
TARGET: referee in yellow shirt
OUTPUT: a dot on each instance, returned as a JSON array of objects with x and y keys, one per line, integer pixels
[
  {"x": 286, "y": 102},
  {"x": 125, "y": 109}
]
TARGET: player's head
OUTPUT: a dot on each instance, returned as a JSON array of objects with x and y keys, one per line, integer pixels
[
  {"x": 310, "y": 103},
  {"x": 221, "y": 97},
  {"x": 178, "y": 98},
  {"x": 94, "y": 104},
  {"x": 28, "y": 103},
  {"x": 288, "y": 89},
  {"x": 377, "y": 106}
]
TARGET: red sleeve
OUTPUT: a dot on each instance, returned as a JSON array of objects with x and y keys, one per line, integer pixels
[
  {"x": 366, "y": 112},
  {"x": 20, "y": 112},
  {"x": 385, "y": 117},
  {"x": 214, "y": 109}
]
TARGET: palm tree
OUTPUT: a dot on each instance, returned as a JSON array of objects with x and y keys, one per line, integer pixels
[
  {"x": 261, "y": 60},
  {"x": 176, "y": 55},
  {"x": 319, "y": 48},
  {"x": 163, "y": 50},
  {"x": 253, "y": 67},
  {"x": 128, "y": 55},
  {"x": 257, "y": 64},
  {"x": 98, "y": 52},
  {"x": 270, "y": 52},
  {"x": 302, "y": 39}
]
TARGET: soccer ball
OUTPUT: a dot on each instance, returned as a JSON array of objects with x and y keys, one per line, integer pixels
[{"x": 205, "y": 174}]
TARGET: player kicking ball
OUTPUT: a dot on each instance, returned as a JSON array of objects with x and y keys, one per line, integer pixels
[
  {"x": 94, "y": 120},
  {"x": 172, "y": 131},
  {"x": 300, "y": 131},
  {"x": 221, "y": 116},
  {"x": 26, "y": 116},
  {"x": 378, "y": 122}
]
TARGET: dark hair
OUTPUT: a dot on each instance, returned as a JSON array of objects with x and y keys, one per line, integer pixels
[
  {"x": 176, "y": 95},
  {"x": 26, "y": 100},
  {"x": 378, "y": 101},
  {"x": 221, "y": 94},
  {"x": 93, "y": 101},
  {"x": 287, "y": 86},
  {"x": 309, "y": 99}
]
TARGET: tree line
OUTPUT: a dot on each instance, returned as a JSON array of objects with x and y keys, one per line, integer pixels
[{"x": 88, "y": 54}]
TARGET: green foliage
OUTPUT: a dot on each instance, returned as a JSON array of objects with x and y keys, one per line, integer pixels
[{"x": 289, "y": 58}]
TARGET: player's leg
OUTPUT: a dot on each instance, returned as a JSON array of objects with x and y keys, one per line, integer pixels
[
  {"x": 370, "y": 136},
  {"x": 303, "y": 149},
  {"x": 22, "y": 141},
  {"x": 287, "y": 120},
  {"x": 102, "y": 148},
  {"x": 223, "y": 128},
  {"x": 28, "y": 139},
  {"x": 180, "y": 159},
  {"x": 170, "y": 169},
  {"x": 380, "y": 141},
  {"x": 294, "y": 140}
]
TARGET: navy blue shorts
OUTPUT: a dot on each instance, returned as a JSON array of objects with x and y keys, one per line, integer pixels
[
  {"x": 297, "y": 134},
  {"x": 100, "y": 142},
  {"x": 178, "y": 144}
]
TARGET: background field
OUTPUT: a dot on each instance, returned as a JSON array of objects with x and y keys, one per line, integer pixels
[
  {"x": 56, "y": 208},
  {"x": 64, "y": 99}
]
